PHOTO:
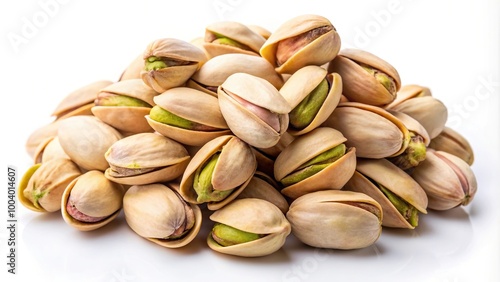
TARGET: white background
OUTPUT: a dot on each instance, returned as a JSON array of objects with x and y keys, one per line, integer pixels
[{"x": 450, "y": 46}]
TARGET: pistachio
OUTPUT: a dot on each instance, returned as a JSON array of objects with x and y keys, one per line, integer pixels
[
  {"x": 202, "y": 183},
  {"x": 263, "y": 186},
  {"x": 110, "y": 99},
  {"x": 409, "y": 212},
  {"x": 133, "y": 71},
  {"x": 41, "y": 135},
  {"x": 228, "y": 236},
  {"x": 161, "y": 115},
  {"x": 453, "y": 143},
  {"x": 386, "y": 81},
  {"x": 413, "y": 155},
  {"x": 303, "y": 114},
  {"x": 409, "y": 91},
  {"x": 231, "y": 37}
]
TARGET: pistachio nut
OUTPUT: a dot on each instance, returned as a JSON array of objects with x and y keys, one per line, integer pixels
[
  {"x": 169, "y": 63},
  {"x": 336, "y": 219},
  {"x": 313, "y": 95},
  {"x": 366, "y": 78},
  {"x": 301, "y": 41},
  {"x": 372, "y": 130},
  {"x": 260, "y": 30},
  {"x": 263, "y": 186},
  {"x": 254, "y": 109},
  {"x": 427, "y": 110},
  {"x": 133, "y": 71},
  {"x": 43, "y": 184},
  {"x": 48, "y": 150},
  {"x": 218, "y": 172},
  {"x": 401, "y": 197},
  {"x": 318, "y": 160},
  {"x": 216, "y": 70},
  {"x": 447, "y": 180},
  {"x": 226, "y": 37},
  {"x": 409, "y": 91},
  {"x": 157, "y": 213},
  {"x": 41, "y": 135},
  {"x": 85, "y": 139},
  {"x": 453, "y": 143},
  {"x": 174, "y": 117},
  {"x": 248, "y": 228},
  {"x": 145, "y": 158},
  {"x": 91, "y": 201},
  {"x": 80, "y": 101}
]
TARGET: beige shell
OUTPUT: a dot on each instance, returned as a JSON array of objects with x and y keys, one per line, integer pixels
[
  {"x": 263, "y": 186},
  {"x": 48, "y": 150},
  {"x": 372, "y": 130},
  {"x": 235, "y": 31},
  {"x": 428, "y": 111},
  {"x": 260, "y": 30},
  {"x": 42, "y": 185},
  {"x": 409, "y": 91},
  {"x": 155, "y": 211},
  {"x": 133, "y": 71},
  {"x": 412, "y": 125},
  {"x": 79, "y": 101},
  {"x": 336, "y": 219},
  {"x": 302, "y": 83},
  {"x": 318, "y": 52},
  {"x": 168, "y": 158},
  {"x": 306, "y": 147},
  {"x": 454, "y": 143},
  {"x": 254, "y": 216},
  {"x": 234, "y": 170},
  {"x": 360, "y": 85},
  {"x": 447, "y": 180},
  {"x": 39, "y": 136},
  {"x": 394, "y": 179},
  {"x": 245, "y": 124},
  {"x": 128, "y": 119},
  {"x": 166, "y": 78},
  {"x": 95, "y": 196},
  {"x": 192, "y": 105},
  {"x": 216, "y": 70},
  {"x": 85, "y": 139}
]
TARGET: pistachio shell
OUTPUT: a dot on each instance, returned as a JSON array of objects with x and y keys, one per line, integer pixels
[
  {"x": 412, "y": 125},
  {"x": 262, "y": 186},
  {"x": 49, "y": 150},
  {"x": 454, "y": 143},
  {"x": 40, "y": 135},
  {"x": 235, "y": 31},
  {"x": 408, "y": 92},
  {"x": 260, "y": 30},
  {"x": 133, "y": 71},
  {"x": 336, "y": 219},
  {"x": 254, "y": 216}
]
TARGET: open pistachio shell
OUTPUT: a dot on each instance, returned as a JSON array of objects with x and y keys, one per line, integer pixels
[
  {"x": 85, "y": 139},
  {"x": 447, "y": 180},
  {"x": 242, "y": 39},
  {"x": 48, "y": 150},
  {"x": 263, "y": 186},
  {"x": 254, "y": 216},
  {"x": 216, "y": 70},
  {"x": 187, "y": 57},
  {"x": 42, "y": 185},
  {"x": 254, "y": 109},
  {"x": 409, "y": 91},
  {"x": 361, "y": 85},
  {"x": 181, "y": 101},
  {"x": 91, "y": 197},
  {"x": 336, "y": 219},
  {"x": 306, "y": 147},
  {"x": 126, "y": 118},
  {"x": 233, "y": 171},
  {"x": 301, "y": 84},
  {"x": 41, "y": 135},
  {"x": 294, "y": 38},
  {"x": 133, "y": 71},
  {"x": 454, "y": 143},
  {"x": 371, "y": 172},
  {"x": 157, "y": 213},
  {"x": 372, "y": 130}
]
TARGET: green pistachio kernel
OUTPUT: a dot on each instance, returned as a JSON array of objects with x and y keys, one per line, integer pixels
[
  {"x": 315, "y": 165},
  {"x": 120, "y": 100},
  {"x": 161, "y": 115},
  {"x": 304, "y": 113},
  {"x": 223, "y": 40},
  {"x": 228, "y": 236},
  {"x": 383, "y": 78},
  {"x": 413, "y": 155},
  {"x": 202, "y": 183},
  {"x": 154, "y": 63},
  {"x": 409, "y": 212}
]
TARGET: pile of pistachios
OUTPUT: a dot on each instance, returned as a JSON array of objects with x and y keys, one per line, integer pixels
[{"x": 269, "y": 133}]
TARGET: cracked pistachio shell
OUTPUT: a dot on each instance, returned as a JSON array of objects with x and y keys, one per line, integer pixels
[
  {"x": 360, "y": 85},
  {"x": 234, "y": 169},
  {"x": 263, "y": 186},
  {"x": 133, "y": 71},
  {"x": 259, "y": 97},
  {"x": 453, "y": 143},
  {"x": 192, "y": 105},
  {"x": 412, "y": 125},
  {"x": 392, "y": 178},
  {"x": 235, "y": 31},
  {"x": 216, "y": 70},
  {"x": 42, "y": 185},
  {"x": 48, "y": 150},
  {"x": 165, "y": 78},
  {"x": 266, "y": 156},
  {"x": 41, "y": 135},
  {"x": 408, "y": 92},
  {"x": 447, "y": 180},
  {"x": 162, "y": 159},
  {"x": 372, "y": 130},
  {"x": 156, "y": 211},
  {"x": 80, "y": 101},
  {"x": 127, "y": 118},
  {"x": 85, "y": 139},
  {"x": 255, "y": 216},
  {"x": 317, "y": 52},
  {"x": 94, "y": 196},
  {"x": 302, "y": 83},
  {"x": 305, "y": 148},
  {"x": 336, "y": 219}
]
